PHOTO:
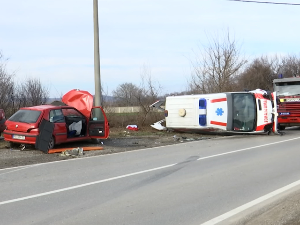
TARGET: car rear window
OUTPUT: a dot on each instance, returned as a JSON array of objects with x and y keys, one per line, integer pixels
[{"x": 25, "y": 116}]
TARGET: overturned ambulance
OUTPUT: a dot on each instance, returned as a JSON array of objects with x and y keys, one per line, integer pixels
[{"x": 243, "y": 112}]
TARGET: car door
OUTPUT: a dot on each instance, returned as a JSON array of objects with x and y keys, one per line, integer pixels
[
  {"x": 98, "y": 126},
  {"x": 43, "y": 139},
  {"x": 60, "y": 130}
]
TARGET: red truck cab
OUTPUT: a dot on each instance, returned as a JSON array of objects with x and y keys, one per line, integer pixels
[{"x": 288, "y": 92}]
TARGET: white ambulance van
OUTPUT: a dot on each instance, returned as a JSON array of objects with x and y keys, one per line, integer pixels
[{"x": 244, "y": 112}]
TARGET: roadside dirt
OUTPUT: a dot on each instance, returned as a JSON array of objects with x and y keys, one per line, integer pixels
[{"x": 120, "y": 140}]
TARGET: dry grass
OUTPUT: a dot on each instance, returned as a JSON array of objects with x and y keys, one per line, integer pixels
[{"x": 143, "y": 131}]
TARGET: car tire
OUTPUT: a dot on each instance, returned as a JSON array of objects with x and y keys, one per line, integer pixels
[
  {"x": 51, "y": 143},
  {"x": 13, "y": 145},
  {"x": 96, "y": 140}
]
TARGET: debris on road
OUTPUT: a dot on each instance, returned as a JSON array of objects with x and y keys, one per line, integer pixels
[
  {"x": 73, "y": 152},
  {"x": 58, "y": 150}
]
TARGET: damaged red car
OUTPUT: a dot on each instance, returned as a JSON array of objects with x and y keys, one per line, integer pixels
[{"x": 47, "y": 125}]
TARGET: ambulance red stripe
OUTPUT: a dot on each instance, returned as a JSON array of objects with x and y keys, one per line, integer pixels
[
  {"x": 218, "y": 123},
  {"x": 218, "y": 100}
]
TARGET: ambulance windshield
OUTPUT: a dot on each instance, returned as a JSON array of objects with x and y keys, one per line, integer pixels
[{"x": 244, "y": 112}]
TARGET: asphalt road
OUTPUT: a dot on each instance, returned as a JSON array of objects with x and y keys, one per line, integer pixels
[{"x": 209, "y": 181}]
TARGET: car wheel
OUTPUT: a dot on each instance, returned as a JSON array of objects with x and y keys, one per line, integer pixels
[
  {"x": 51, "y": 143},
  {"x": 281, "y": 127},
  {"x": 13, "y": 144},
  {"x": 96, "y": 141}
]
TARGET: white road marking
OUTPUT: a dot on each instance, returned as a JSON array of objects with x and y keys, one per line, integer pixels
[
  {"x": 246, "y": 149},
  {"x": 250, "y": 204},
  {"x": 15, "y": 169},
  {"x": 83, "y": 185}
]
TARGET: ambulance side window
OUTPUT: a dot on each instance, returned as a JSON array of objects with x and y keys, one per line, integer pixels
[{"x": 259, "y": 104}]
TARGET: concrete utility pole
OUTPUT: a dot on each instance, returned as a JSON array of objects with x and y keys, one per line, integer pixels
[{"x": 97, "y": 99}]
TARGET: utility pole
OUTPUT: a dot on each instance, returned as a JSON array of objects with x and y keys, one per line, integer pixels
[{"x": 98, "y": 94}]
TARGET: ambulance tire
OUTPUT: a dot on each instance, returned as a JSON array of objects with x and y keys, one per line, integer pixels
[{"x": 281, "y": 127}]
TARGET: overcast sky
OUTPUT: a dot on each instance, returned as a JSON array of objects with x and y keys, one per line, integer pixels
[{"x": 53, "y": 39}]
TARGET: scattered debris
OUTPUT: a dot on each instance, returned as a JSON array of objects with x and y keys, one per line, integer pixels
[
  {"x": 58, "y": 150},
  {"x": 73, "y": 152},
  {"x": 190, "y": 139},
  {"x": 132, "y": 127},
  {"x": 176, "y": 138},
  {"x": 158, "y": 125},
  {"x": 181, "y": 139}
]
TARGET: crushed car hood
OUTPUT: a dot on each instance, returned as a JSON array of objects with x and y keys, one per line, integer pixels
[{"x": 81, "y": 100}]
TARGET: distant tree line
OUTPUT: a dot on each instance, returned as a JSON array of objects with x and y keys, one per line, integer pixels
[
  {"x": 16, "y": 94},
  {"x": 221, "y": 68}
]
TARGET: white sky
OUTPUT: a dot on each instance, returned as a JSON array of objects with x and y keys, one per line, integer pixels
[{"x": 53, "y": 39}]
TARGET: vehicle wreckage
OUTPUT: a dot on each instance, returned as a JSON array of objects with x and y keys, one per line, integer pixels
[
  {"x": 232, "y": 112},
  {"x": 73, "y": 119}
]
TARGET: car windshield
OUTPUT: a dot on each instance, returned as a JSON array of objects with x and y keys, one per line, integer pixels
[
  {"x": 25, "y": 116},
  {"x": 287, "y": 88},
  {"x": 244, "y": 112}
]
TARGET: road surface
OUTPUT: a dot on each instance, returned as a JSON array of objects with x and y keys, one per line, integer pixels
[{"x": 211, "y": 181}]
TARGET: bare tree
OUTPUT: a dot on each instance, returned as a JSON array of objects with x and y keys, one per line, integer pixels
[
  {"x": 290, "y": 66},
  {"x": 30, "y": 92},
  {"x": 259, "y": 74},
  {"x": 262, "y": 71},
  {"x": 125, "y": 94},
  {"x": 149, "y": 92},
  {"x": 13, "y": 96},
  {"x": 142, "y": 95},
  {"x": 216, "y": 67},
  {"x": 7, "y": 87}
]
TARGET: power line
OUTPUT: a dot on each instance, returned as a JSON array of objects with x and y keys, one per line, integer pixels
[{"x": 275, "y": 3}]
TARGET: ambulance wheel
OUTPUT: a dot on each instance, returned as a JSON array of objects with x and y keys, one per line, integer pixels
[
  {"x": 281, "y": 127},
  {"x": 51, "y": 143}
]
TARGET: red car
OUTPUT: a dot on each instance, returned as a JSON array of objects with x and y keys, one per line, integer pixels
[
  {"x": 2, "y": 121},
  {"x": 47, "y": 125}
]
